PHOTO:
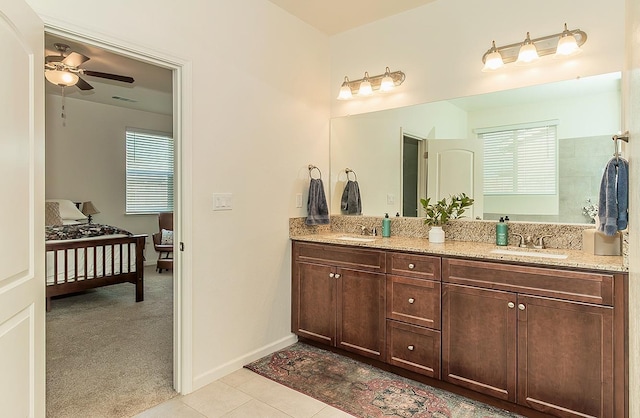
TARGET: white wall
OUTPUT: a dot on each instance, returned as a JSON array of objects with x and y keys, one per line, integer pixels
[
  {"x": 85, "y": 160},
  {"x": 440, "y": 45},
  {"x": 257, "y": 114}
]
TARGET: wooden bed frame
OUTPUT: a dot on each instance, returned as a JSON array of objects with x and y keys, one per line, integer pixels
[{"x": 133, "y": 245}]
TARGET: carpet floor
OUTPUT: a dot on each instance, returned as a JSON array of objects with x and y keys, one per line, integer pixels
[
  {"x": 363, "y": 390},
  {"x": 108, "y": 356}
]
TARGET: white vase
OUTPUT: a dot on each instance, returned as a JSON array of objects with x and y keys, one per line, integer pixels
[{"x": 436, "y": 235}]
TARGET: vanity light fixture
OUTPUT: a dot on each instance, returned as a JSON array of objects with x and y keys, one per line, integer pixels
[
  {"x": 367, "y": 85},
  {"x": 565, "y": 43}
]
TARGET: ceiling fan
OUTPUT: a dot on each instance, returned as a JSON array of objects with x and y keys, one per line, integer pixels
[{"x": 64, "y": 70}]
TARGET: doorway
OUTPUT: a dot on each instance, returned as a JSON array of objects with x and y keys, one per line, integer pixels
[
  {"x": 96, "y": 97},
  {"x": 414, "y": 171}
]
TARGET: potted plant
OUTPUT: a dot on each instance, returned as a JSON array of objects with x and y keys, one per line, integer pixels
[{"x": 442, "y": 211}]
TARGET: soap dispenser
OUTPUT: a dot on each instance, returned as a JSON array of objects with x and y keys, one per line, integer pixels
[
  {"x": 386, "y": 226},
  {"x": 502, "y": 232}
]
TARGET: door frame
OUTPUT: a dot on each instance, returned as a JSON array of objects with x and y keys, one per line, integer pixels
[
  {"x": 182, "y": 128},
  {"x": 422, "y": 167}
]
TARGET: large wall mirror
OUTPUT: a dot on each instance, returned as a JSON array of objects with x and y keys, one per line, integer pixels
[{"x": 395, "y": 152}]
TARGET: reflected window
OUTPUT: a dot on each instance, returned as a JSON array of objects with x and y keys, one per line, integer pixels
[{"x": 520, "y": 160}]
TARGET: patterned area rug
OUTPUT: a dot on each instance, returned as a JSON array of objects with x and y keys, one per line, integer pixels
[{"x": 363, "y": 390}]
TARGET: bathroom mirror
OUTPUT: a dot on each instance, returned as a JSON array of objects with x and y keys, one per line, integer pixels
[{"x": 386, "y": 149}]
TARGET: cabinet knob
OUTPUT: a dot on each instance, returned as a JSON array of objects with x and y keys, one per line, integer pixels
[
  {"x": 331, "y": 275},
  {"x": 410, "y": 348},
  {"x": 411, "y": 300},
  {"x": 412, "y": 266},
  {"x": 511, "y": 305},
  {"x": 337, "y": 275},
  {"x": 521, "y": 307}
]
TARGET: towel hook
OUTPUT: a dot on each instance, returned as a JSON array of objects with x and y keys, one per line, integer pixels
[
  {"x": 623, "y": 137},
  {"x": 313, "y": 167},
  {"x": 348, "y": 170}
]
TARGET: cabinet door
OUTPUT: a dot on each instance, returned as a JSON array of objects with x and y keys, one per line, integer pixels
[
  {"x": 565, "y": 357},
  {"x": 314, "y": 302},
  {"x": 361, "y": 314},
  {"x": 479, "y": 340}
]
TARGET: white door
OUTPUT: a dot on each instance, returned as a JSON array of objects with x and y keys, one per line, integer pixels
[
  {"x": 22, "y": 355},
  {"x": 455, "y": 166}
]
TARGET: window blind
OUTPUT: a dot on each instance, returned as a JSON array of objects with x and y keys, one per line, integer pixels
[
  {"x": 520, "y": 160},
  {"x": 149, "y": 175}
]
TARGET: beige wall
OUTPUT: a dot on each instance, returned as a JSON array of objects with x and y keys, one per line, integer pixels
[
  {"x": 256, "y": 114},
  {"x": 85, "y": 158}
]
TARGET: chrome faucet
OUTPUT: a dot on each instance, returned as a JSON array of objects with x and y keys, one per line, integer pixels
[
  {"x": 529, "y": 242},
  {"x": 365, "y": 231}
]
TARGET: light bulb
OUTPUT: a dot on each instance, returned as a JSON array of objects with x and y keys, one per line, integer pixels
[
  {"x": 567, "y": 44},
  {"x": 528, "y": 52},
  {"x": 61, "y": 78},
  {"x": 493, "y": 60},
  {"x": 387, "y": 83}
]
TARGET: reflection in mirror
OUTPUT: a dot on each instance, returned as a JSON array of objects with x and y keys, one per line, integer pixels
[{"x": 383, "y": 147}]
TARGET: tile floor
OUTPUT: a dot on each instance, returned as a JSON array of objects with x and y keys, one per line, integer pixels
[{"x": 243, "y": 394}]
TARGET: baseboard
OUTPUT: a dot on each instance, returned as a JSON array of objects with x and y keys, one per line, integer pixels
[{"x": 237, "y": 363}]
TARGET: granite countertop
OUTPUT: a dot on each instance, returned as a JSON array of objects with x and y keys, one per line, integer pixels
[{"x": 476, "y": 250}]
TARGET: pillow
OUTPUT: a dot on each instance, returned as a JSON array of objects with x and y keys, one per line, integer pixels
[
  {"x": 52, "y": 214},
  {"x": 68, "y": 209},
  {"x": 167, "y": 237}
]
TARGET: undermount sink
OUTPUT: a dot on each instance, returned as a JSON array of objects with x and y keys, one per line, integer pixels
[
  {"x": 356, "y": 239},
  {"x": 521, "y": 253}
]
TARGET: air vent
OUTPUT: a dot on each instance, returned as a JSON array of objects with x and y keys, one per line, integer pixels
[{"x": 124, "y": 99}]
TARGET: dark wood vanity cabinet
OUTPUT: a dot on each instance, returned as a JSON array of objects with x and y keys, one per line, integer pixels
[
  {"x": 338, "y": 297},
  {"x": 546, "y": 338},
  {"x": 539, "y": 337},
  {"x": 413, "y": 312}
]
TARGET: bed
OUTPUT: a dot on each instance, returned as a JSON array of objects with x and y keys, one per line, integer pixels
[{"x": 81, "y": 256}]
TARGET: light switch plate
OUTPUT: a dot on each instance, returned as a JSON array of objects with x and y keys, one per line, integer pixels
[
  {"x": 299, "y": 200},
  {"x": 222, "y": 201},
  {"x": 391, "y": 199}
]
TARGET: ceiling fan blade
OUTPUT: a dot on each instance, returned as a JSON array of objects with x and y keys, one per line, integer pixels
[
  {"x": 116, "y": 77},
  {"x": 74, "y": 59},
  {"x": 83, "y": 85}
]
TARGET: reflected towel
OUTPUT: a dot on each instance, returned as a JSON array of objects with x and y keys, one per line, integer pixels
[
  {"x": 613, "y": 205},
  {"x": 317, "y": 209},
  {"x": 350, "y": 203}
]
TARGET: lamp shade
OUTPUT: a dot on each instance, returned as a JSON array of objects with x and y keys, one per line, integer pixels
[
  {"x": 345, "y": 92},
  {"x": 365, "y": 88},
  {"x": 387, "y": 84},
  {"x": 61, "y": 78},
  {"x": 88, "y": 208},
  {"x": 528, "y": 52},
  {"x": 567, "y": 45},
  {"x": 493, "y": 61}
]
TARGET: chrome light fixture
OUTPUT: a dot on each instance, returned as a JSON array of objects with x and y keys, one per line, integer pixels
[
  {"x": 367, "y": 85},
  {"x": 565, "y": 43}
]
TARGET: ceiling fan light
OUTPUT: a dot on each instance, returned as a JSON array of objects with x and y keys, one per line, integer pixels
[{"x": 61, "y": 78}]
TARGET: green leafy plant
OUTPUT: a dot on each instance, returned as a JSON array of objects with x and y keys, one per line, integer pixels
[{"x": 446, "y": 209}]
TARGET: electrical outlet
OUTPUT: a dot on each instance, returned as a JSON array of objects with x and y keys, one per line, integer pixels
[{"x": 299, "y": 200}]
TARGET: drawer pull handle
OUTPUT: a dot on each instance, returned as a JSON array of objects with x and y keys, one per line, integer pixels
[
  {"x": 331, "y": 275},
  {"x": 521, "y": 307},
  {"x": 412, "y": 266},
  {"x": 410, "y": 348},
  {"x": 511, "y": 305},
  {"x": 337, "y": 275},
  {"x": 411, "y": 300}
]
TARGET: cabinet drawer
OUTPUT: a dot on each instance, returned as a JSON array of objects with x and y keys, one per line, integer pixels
[
  {"x": 414, "y": 265},
  {"x": 540, "y": 281},
  {"x": 414, "y": 348},
  {"x": 335, "y": 255},
  {"x": 414, "y": 301}
]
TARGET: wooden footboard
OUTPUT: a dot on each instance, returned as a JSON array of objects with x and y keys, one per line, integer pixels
[{"x": 74, "y": 266}]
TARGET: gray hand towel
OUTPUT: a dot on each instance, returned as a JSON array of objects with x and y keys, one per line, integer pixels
[
  {"x": 317, "y": 209},
  {"x": 350, "y": 203},
  {"x": 614, "y": 197}
]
